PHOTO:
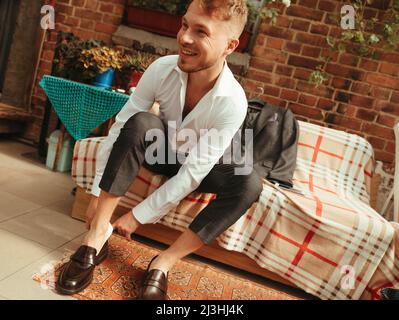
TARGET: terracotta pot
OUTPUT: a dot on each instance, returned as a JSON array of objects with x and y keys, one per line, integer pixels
[
  {"x": 134, "y": 79},
  {"x": 155, "y": 21},
  {"x": 166, "y": 24}
]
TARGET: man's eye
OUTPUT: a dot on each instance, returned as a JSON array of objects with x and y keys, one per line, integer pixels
[{"x": 202, "y": 32}]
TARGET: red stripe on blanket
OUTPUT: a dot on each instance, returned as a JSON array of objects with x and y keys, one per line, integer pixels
[
  {"x": 319, "y": 206},
  {"x": 310, "y": 251}
]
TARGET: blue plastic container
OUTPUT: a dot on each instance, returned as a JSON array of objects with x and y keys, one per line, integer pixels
[{"x": 105, "y": 79}]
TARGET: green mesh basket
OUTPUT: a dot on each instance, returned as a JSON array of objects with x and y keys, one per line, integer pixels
[{"x": 81, "y": 107}]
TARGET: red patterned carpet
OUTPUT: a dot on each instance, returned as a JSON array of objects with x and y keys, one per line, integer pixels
[{"x": 118, "y": 278}]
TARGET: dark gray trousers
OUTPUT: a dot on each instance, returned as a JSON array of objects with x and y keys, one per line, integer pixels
[{"x": 234, "y": 193}]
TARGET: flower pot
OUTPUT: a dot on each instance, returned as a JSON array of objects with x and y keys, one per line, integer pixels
[
  {"x": 134, "y": 79},
  {"x": 105, "y": 79},
  {"x": 159, "y": 22},
  {"x": 244, "y": 41}
]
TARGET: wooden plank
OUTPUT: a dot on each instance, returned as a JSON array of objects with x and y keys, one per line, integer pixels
[{"x": 166, "y": 235}]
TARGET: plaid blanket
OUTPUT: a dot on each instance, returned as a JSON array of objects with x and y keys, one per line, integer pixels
[{"x": 326, "y": 239}]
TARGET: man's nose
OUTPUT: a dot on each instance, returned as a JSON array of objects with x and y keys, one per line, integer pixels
[{"x": 185, "y": 37}]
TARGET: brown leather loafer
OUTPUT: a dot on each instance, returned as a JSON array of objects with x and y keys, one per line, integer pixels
[
  {"x": 154, "y": 285},
  {"x": 77, "y": 274}
]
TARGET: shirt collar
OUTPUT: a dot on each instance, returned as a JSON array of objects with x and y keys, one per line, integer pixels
[{"x": 222, "y": 85}]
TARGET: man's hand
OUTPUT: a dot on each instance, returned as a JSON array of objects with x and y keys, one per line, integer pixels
[
  {"x": 126, "y": 225},
  {"x": 91, "y": 211}
]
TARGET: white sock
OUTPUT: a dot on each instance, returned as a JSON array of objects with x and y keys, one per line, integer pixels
[{"x": 107, "y": 236}]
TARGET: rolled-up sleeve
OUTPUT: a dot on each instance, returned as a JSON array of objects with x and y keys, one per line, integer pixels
[
  {"x": 202, "y": 157},
  {"x": 141, "y": 99}
]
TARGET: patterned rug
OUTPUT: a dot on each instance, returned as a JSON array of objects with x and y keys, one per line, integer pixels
[{"x": 118, "y": 278}]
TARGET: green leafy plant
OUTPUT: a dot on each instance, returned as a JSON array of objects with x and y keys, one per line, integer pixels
[
  {"x": 363, "y": 39},
  {"x": 100, "y": 59},
  {"x": 67, "y": 62}
]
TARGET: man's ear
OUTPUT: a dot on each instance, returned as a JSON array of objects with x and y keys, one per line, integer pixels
[{"x": 232, "y": 45}]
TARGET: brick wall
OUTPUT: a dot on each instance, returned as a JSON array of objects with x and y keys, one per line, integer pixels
[
  {"x": 362, "y": 95},
  {"x": 97, "y": 19}
]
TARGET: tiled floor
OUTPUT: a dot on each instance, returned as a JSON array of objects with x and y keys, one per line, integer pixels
[{"x": 35, "y": 223}]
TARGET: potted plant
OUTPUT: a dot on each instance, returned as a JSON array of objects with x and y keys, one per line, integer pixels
[
  {"x": 101, "y": 63},
  {"x": 133, "y": 67},
  {"x": 67, "y": 61},
  {"x": 162, "y": 17}
]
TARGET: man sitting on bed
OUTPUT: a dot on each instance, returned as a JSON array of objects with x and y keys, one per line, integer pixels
[{"x": 196, "y": 90}]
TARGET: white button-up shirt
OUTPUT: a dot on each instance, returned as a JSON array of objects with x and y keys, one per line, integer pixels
[{"x": 224, "y": 108}]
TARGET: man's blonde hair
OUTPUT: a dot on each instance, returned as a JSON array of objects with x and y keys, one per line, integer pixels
[{"x": 235, "y": 11}]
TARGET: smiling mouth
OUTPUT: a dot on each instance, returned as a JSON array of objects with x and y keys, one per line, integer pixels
[{"x": 188, "y": 52}]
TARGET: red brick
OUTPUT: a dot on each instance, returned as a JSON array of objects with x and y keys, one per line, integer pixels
[
  {"x": 285, "y": 82},
  {"x": 327, "y": 5},
  {"x": 386, "y": 120},
  {"x": 389, "y": 68},
  {"x": 311, "y": 39},
  {"x": 106, "y": 28},
  {"x": 283, "y": 21},
  {"x": 321, "y": 91},
  {"x": 395, "y": 97},
  {"x": 346, "y": 72},
  {"x": 380, "y": 93},
  {"x": 107, "y": 7},
  {"x": 360, "y": 87},
  {"x": 274, "y": 43},
  {"x": 277, "y": 32},
  {"x": 270, "y": 54},
  {"x": 308, "y": 3},
  {"x": 384, "y": 156},
  {"x": 304, "y": 12},
  {"x": 293, "y": 47},
  {"x": 62, "y": 8},
  {"x": 307, "y": 100},
  {"x": 369, "y": 65},
  {"x": 361, "y": 101},
  {"x": 390, "y": 147},
  {"x": 87, "y": 14},
  {"x": 92, "y": 4},
  {"x": 341, "y": 83},
  {"x": 78, "y": 3},
  {"x": 392, "y": 108},
  {"x": 389, "y": 57},
  {"x": 348, "y": 59},
  {"x": 274, "y": 101},
  {"x": 260, "y": 76},
  {"x": 306, "y": 111},
  {"x": 376, "y": 143},
  {"x": 111, "y": 19},
  {"x": 302, "y": 74},
  {"x": 378, "y": 131},
  {"x": 325, "y": 104},
  {"x": 119, "y": 10},
  {"x": 383, "y": 81},
  {"x": 347, "y": 110},
  {"x": 284, "y": 70},
  {"x": 303, "y": 62},
  {"x": 368, "y": 115},
  {"x": 311, "y": 51},
  {"x": 302, "y": 25},
  {"x": 271, "y": 91},
  {"x": 290, "y": 95},
  {"x": 86, "y": 24},
  {"x": 259, "y": 63},
  {"x": 342, "y": 121},
  {"x": 319, "y": 29}
]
